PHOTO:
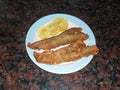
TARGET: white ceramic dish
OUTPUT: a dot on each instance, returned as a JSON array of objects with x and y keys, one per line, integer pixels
[{"x": 65, "y": 68}]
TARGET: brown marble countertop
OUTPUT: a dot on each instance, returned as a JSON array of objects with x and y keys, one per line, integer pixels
[{"x": 18, "y": 72}]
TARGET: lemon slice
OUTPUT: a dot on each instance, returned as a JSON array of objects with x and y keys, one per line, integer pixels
[
  {"x": 54, "y": 30},
  {"x": 62, "y": 23},
  {"x": 59, "y": 24},
  {"x": 51, "y": 25},
  {"x": 44, "y": 32}
]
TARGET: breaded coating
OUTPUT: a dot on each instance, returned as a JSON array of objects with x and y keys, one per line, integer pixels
[
  {"x": 72, "y": 52},
  {"x": 68, "y": 36}
]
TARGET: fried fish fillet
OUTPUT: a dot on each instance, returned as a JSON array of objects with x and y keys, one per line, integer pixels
[
  {"x": 69, "y": 36},
  {"x": 72, "y": 52}
]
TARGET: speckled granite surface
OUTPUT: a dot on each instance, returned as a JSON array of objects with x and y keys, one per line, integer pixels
[{"x": 18, "y": 72}]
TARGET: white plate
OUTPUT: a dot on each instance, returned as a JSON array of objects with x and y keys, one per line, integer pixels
[{"x": 67, "y": 67}]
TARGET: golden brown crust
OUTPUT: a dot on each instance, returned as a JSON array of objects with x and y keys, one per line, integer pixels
[
  {"x": 72, "y": 52},
  {"x": 69, "y": 36}
]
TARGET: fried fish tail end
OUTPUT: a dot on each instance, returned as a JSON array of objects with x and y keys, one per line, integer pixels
[
  {"x": 31, "y": 46},
  {"x": 90, "y": 50}
]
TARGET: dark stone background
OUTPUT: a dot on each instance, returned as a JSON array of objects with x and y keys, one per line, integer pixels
[{"x": 18, "y": 72}]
